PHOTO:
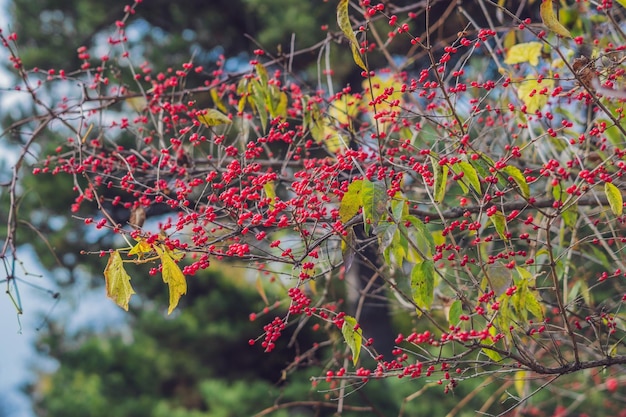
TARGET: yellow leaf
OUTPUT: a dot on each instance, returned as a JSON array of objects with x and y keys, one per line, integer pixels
[
  {"x": 550, "y": 20},
  {"x": 529, "y": 92},
  {"x": 622, "y": 2},
  {"x": 520, "y": 383},
  {"x": 613, "y": 194},
  {"x": 117, "y": 281},
  {"x": 343, "y": 19},
  {"x": 139, "y": 103},
  {"x": 213, "y": 117},
  {"x": 216, "y": 100},
  {"x": 140, "y": 248},
  {"x": 524, "y": 52},
  {"x": 351, "y": 202},
  {"x": 172, "y": 276},
  {"x": 270, "y": 192},
  {"x": 261, "y": 290}
]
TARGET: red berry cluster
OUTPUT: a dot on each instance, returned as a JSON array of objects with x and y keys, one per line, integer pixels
[
  {"x": 299, "y": 302},
  {"x": 272, "y": 333}
]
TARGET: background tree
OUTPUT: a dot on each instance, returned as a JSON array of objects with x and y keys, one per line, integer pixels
[{"x": 486, "y": 182}]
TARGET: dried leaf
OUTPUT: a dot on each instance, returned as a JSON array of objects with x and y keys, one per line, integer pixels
[
  {"x": 137, "y": 217},
  {"x": 117, "y": 281}
]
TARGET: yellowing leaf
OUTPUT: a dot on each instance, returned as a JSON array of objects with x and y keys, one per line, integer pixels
[
  {"x": 423, "y": 284},
  {"x": 117, "y": 281},
  {"x": 622, "y": 2},
  {"x": 213, "y": 117},
  {"x": 550, "y": 20},
  {"x": 352, "y": 337},
  {"x": 374, "y": 200},
  {"x": 343, "y": 20},
  {"x": 517, "y": 176},
  {"x": 529, "y": 92},
  {"x": 469, "y": 175},
  {"x": 172, "y": 276},
  {"x": 614, "y": 196},
  {"x": 351, "y": 201},
  {"x": 524, "y": 52},
  {"x": 532, "y": 304},
  {"x": 499, "y": 221},
  {"x": 441, "y": 179}
]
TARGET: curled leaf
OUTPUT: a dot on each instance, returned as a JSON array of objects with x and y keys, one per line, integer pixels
[
  {"x": 551, "y": 21},
  {"x": 117, "y": 281},
  {"x": 343, "y": 20}
]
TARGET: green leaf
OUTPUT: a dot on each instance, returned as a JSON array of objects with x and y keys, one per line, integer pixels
[
  {"x": 441, "y": 179},
  {"x": 257, "y": 99},
  {"x": 557, "y": 193},
  {"x": 454, "y": 313},
  {"x": 499, "y": 222},
  {"x": 347, "y": 249},
  {"x": 518, "y": 177},
  {"x": 117, "y": 281},
  {"x": 374, "y": 199},
  {"x": 614, "y": 196},
  {"x": 343, "y": 20},
  {"x": 570, "y": 216},
  {"x": 351, "y": 201},
  {"x": 492, "y": 354},
  {"x": 352, "y": 337},
  {"x": 423, "y": 284},
  {"x": 424, "y": 239},
  {"x": 504, "y": 315}
]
